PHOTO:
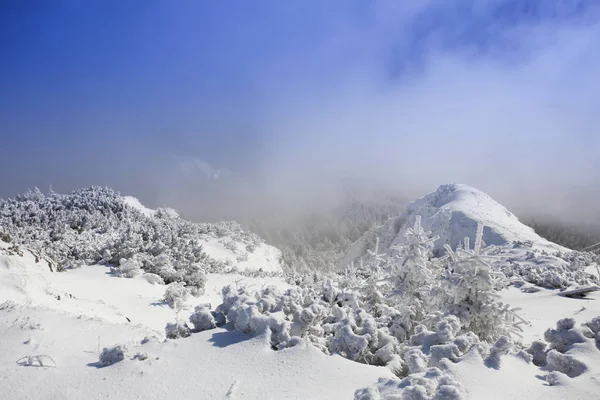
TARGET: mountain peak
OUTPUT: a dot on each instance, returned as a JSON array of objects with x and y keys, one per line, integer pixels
[{"x": 452, "y": 212}]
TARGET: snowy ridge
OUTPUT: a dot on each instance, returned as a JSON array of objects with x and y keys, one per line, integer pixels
[
  {"x": 98, "y": 225},
  {"x": 452, "y": 212}
]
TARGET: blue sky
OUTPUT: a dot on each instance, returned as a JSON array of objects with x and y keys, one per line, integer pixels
[{"x": 280, "y": 99}]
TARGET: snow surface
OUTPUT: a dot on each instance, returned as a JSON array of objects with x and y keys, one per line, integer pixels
[
  {"x": 211, "y": 364},
  {"x": 452, "y": 212},
  {"x": 207, "y": 365},
  {"x": 135, "y": 203},
  {"x": 265, "y": 257}
]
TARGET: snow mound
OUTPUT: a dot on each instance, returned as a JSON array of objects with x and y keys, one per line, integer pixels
[{"x": 452, "y": 212}]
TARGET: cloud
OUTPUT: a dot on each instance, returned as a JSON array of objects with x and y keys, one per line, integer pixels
[
  {"x": 282, "y": 106},
  {"x": 191, "y": 165}
]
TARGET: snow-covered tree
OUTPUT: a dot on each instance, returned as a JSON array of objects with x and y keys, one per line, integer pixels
[{"x": 471, "y": 284}]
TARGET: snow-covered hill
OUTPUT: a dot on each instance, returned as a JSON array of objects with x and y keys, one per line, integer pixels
[
  {"x": 452, "y": 212},
  {"x": 98, "y": 225}
]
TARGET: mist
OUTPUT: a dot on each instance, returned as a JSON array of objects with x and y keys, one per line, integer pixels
[{"x": 385, "y": 99}]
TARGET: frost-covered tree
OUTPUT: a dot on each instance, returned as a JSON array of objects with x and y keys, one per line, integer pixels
[
  {"x": 471, "y": 284},
  {"x": 415, "y": 253}
]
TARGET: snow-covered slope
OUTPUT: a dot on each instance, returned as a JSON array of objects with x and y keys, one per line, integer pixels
[
  {"x": 228, "y": 249},
  {"x": 452, "y": 212},
  {"x": 68, "y": 317},
  {"x": 92, "y": 291}
]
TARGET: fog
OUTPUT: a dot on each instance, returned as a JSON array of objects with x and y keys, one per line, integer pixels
[
  {"x": 519, "y": 125},
  {"x": 393, "y": 102}
]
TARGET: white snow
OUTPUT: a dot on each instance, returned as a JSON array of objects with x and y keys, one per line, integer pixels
[
  {"x": 265, "y": 257},
  {"x": 93, "y": 292},
  {"x": 135, "y": 203},
  {"x": 207, "y": 365}
]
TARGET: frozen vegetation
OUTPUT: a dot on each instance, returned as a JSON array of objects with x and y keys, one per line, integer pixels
[
  {"x": 98, "y": 225},
  {"x": 445, "y": 301}
]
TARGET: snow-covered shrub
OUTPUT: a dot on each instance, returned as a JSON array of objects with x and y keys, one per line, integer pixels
[
  {"x": 175, "y": 295},
  {"x": 431, "y": 384},
  {"x": 154, "y": 279},
  {"x": 177, "y": 329},
  {"x": 502, "y": 347},
  {"x": 329, "y": 319},
  {"x": 537, "y": 349},
  {"x": 140, "y": 356},
  {"x": 564, "y": 336},
  {"x": 591, "y": 329},
  {"x": 557, "y": 271},
  {"x": 130, "y": 268},
  {"x": 565, "y": 363},
  {"x": 202, "y": 319},
  {"x": 555, "y": 378},
  {"x": 427, "y": 348},
  {"x": 112, "y": 355}
]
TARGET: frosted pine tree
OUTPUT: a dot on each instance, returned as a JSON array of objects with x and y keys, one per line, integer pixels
[
  {"x": 411, "y": 275},
  {"x": 413, "y": 270},
  {"x": 471, "y": 284}
]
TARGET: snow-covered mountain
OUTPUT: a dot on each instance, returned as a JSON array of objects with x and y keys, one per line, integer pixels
[{"x": 452, "y": 212}]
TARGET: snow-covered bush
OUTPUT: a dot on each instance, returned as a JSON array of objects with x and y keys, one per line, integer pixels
[
  {"x": 177, "y": 329},
  {"x": 430, "y": 384},
  {"x": 564, "y": 336},
  {"x": 502, "y": 347},
  {"x": 537, "y": 349},
  {"x": 592, "y": 330},
  {"x": 565, "y": 363},
  {"x": 154, "y": 279},
  {"x": 176, "y": 295},
  {"x": 330, "y": 319},
  {"x": 97, "y": 225},
  {"x": 112, "y": 355},
  {"x": 202, "y": 319},
  {"x": 130, "y": 268}
]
